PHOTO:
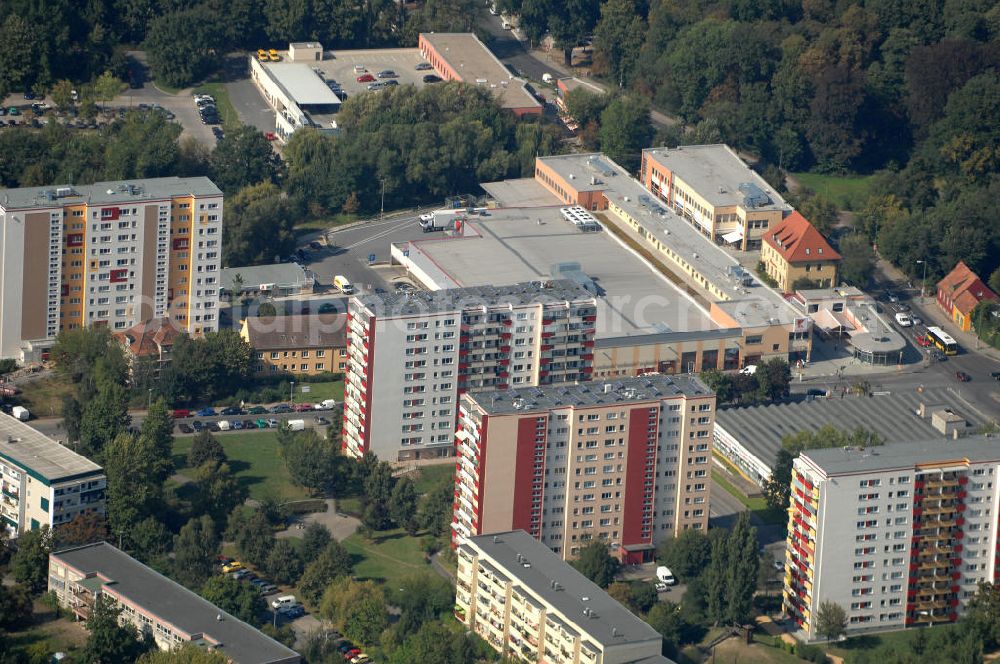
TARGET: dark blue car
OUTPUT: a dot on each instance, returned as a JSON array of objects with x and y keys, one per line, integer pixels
[{"x": 205, "y": 412}]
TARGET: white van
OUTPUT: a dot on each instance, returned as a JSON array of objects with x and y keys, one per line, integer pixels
[
  {"x": 341, "y": 283},
  {"x": 665, "y": 575},
  {"x": 296, "y": 425},
  {"x": 904, "y": 319},
  {"x": 546, "y": 77},
  {"x": 224, "y": 425},
  {"x": 284, "y": 600},
  {"x": 326, "y": 404}
]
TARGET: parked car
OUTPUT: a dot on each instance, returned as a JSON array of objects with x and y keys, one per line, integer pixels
[
  {"x": 197, "y": 425},
  {"x": 387, "y": 73},
  {"x": 214, "y": 427},
  {"x": 365, "y": 78},
  {"x": 995, "y": 375},
  {"x": 345, "y": 646},
  {"x": 262, "y": 423},
  {"x": 660, "y": 587},
  {"x": 390, "y": 82},
  {"x": 303, "y": 407},
  {"x": 271, "y": 136},
  {"x": 206, "y": 412},
  {"x": 431, "y": 78},
  {"x": 249, "y": 424},
  {"x": 268, "y": 589},
  {"x": 292, "y": 612},
  {"x": 962, "y": 376},
  {"x": 321, "y": 421},
  {"x": 237, "y": 425},
  {"x": 377, "y": 85},
  {"x": 256, "y": 410},
  {"x": 423, "y": 66},
  {"x": 232, "y": 410},
  {"x": 281, "y": 408},
  {"x": 232, "y": 566},
  {"x": 315, "y": 246},
  {"x": 180, "y": 413},
  {"x": 273, "y": 423},
  {"x": 185, "y": 428}
]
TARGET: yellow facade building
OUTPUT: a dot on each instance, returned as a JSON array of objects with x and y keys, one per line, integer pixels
[
  {"x": 795, "y": 250},
  {"x": 303, "y": 345}
]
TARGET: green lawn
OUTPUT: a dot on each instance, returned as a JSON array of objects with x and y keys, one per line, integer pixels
[
  {"x": 391, "y": 556},
  {"x": 428, "y": 477},
  {"x": 322, "y": 223},
  {"x": 898, "y": 640},
  {"x": 254, "y": 458},
  {"x": 319, "y": 392},
  {"x": 848, "y": 191},
  {"x": 230, "y": 120},
  {"x": 757, "y": 505}
]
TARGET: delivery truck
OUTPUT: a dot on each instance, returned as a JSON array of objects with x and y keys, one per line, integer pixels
[
  {"x": 440, "y": 220},
  {"x": 296, "y": 425},
  {"x": 21, "y": 413}
]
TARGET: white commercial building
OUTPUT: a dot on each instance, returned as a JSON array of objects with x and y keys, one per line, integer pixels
[{"x": 296, "y": 91}]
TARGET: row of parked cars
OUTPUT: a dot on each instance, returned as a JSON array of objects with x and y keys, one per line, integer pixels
[
  {"x": 207, "y": 109},
  {"x": 285, "y": 606},
  {"x": 326, "y": 404}
]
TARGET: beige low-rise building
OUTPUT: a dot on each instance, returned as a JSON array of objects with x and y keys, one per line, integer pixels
[
  {"x": 303, "y": 345},
  {"x": 533, "y": 607},
  {"x": 160, "y": 609},
  {"x": 795, "y": 251},
  {"x": 42, "y": 482}
]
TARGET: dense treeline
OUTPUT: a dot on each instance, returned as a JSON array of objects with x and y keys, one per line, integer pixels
[
  {"x": 43, "y": 42},
  {"x": 419, "y": 145}
]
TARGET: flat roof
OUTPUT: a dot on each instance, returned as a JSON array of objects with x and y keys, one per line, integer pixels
[
  {"x": 301, "y": 83},
  {"x": 759, "y": 429},
  {"x": 525, "y": 243},
  {"x": 173, "y": 603},
  {"x": 570, "y": 83},
  {"x": 475, "y": 63},
  {"x": 947, "y": 452},
  {"x": 521, "y": 192},
  {"x": 107, "y": 193},
  {"x": 253, "y": 276},
  {"x": 716, "y": 173},
  {"x": 42, "y": 456},
  {"x": 611, "y": 623},
  {"x": 580, "y": 170},
  {"x": 551, "y": 291},
  {"x": 627, "y": 390}
]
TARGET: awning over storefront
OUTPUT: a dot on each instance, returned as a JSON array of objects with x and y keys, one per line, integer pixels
[{"x": 733, "y": 236}]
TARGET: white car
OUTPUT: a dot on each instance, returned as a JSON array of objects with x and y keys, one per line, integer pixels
[
  {"x": 661, "y": 587},
  {"x": 749, "y": 370},
  {"x": 904, "y": 319}
]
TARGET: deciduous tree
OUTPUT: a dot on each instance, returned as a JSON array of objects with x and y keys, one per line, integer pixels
[
  {"x": 244, "y": 157},
  {"x": 687, "y": 555},
  {"x": 596, "y": 563},
  {"x": 205, "y": 448},
  {"x": 235, "y": 597},
  {"x": 195, "y": 549},
  {"x": 333, "y": 562},
  {"x": 831, "y": 620},
  {"x": 283, "y": 562},
  {"x": 109, "y": 642},
  {"x": 30, "y": 563}
]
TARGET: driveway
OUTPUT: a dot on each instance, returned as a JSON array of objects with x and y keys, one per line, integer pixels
[{"x": 250, "y": 105}]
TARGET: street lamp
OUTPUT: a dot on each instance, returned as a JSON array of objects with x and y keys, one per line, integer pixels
[
  {"x": 291, "y": 393},
  {"x": 923, "y": 281}
]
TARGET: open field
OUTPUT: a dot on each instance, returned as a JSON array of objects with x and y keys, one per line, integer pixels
[
  {"x": 253, "y": 457},
  {"x": 319, "y": 392},
  {"x": 392, "y": 555},
  {"x": 847, "y": 191}
]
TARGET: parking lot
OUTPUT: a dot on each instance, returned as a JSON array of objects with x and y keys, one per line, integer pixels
[{"x": 340, "y": 67}]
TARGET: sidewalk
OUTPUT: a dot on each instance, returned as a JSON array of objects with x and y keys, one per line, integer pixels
[{"x": 931, "y": 312}]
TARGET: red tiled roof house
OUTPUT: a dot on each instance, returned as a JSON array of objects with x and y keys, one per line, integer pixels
[
  {"x": 795, "y": 249},
  {"x": 960, "y": 292}
]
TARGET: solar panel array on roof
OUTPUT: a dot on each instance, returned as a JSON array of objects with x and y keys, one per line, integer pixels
[{"x": 753, "y": 196}]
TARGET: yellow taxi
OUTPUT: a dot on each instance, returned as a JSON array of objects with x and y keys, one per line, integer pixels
[{"x": 273, "y": 54}]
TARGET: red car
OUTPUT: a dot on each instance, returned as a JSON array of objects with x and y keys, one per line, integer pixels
[
  {"x": 271, "y": 136},
  {"x": 181, "y": 413},
  {"x": 923, "y": 341},
  {"x": 303, "y": 407},
  {"x": 366, "y": 78},
  {"x": 351, "y": 654}
]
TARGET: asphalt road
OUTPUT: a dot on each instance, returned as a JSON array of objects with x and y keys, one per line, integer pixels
[
  {"x": 249, "y": 105},
  {"x": 349, "y": 251}
]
